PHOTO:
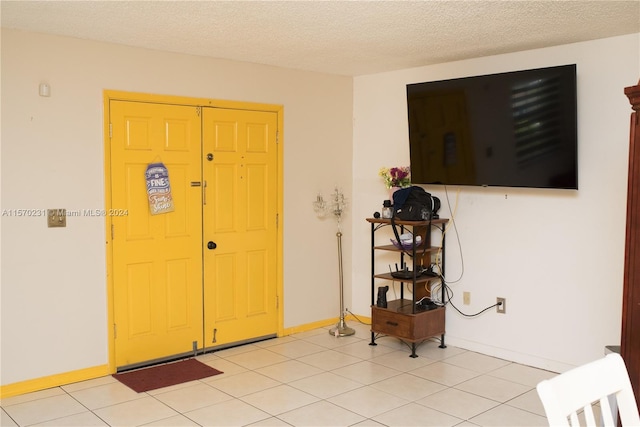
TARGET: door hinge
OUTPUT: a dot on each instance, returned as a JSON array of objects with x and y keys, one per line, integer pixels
[
  {"x": 113, "y": 232},
  {"x": 115, "y": 331},
  {"x": 277, "y": 137},
  {"x": 198, "y": 110},
  {"x": 277, "y": 301},
  {"x": 277, "y": 220},
  {"x": 110, "y": 130}
]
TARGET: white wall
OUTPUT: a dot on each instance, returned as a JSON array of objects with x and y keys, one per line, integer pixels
[
  {"x": 556, "y": 256},
  {"x": 53, "y": 286}
]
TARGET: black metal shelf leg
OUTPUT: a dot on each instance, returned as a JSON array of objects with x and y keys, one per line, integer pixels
[{"x": 413, "y": 350}]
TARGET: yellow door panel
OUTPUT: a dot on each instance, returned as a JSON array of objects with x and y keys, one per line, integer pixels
[
  {"x": 157, "y": 259},
  {"x": 139, "y": 306},
  {"x": 257, "y": 273},
  {"x": 240, "y": 217},
  {"x": 224, "y": 271},
  {"x": 222, "y": 198},
  {"x": 137, "y": 222}
]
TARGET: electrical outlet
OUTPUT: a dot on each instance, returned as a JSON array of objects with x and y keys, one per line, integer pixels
[
  {"x": 502, "y": 305},
  {"x": 56, "y": 217},
  {"x": 466, "y": 298}
]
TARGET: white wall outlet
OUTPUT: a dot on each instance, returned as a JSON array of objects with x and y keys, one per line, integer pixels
[
  {"x": 466, "y": 298},
  {"x": 501, "y": 306}
]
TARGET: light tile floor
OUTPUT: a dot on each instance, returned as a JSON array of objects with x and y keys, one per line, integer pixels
[{"x": 308, "y": 379}]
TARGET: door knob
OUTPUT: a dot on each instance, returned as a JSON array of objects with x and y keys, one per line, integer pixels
[{"x": 212, "y": 245}]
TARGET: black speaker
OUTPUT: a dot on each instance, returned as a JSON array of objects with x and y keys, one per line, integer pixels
[{"x": 435, "y": 207}]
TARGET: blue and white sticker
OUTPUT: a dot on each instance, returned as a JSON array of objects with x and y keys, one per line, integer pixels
[{"x": 158, "y": 189}]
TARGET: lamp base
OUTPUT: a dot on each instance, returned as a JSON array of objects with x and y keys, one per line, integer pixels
[{"x": 341, "y": 330}]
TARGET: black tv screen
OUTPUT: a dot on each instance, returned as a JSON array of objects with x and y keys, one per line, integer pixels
[{"x": 515, "y": 129}]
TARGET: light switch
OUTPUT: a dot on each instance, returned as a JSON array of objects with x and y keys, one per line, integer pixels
[{"x": 56, "y": 218}]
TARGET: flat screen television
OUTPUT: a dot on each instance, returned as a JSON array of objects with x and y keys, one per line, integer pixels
[{"x": 514, "y": 129}]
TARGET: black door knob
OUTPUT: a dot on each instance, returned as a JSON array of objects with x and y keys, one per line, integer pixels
[{"x": 212, "y": 245}]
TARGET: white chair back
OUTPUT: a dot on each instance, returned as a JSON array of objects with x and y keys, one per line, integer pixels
[{"x": 604, "y": 381}]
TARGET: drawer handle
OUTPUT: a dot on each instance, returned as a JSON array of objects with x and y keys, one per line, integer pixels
[{"x": 389, "y": 322}]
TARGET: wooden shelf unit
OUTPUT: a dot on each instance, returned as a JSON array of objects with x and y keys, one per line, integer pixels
[{"x": 401, "y": 318}]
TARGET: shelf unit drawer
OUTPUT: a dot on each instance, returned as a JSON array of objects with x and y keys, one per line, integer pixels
[{"x": 396, "y": 321}]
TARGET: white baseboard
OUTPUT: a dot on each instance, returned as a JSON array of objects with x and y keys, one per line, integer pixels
[{"x": 512, "y": 356}]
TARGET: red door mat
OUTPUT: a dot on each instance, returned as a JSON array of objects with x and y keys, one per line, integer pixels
[{"x": 159, "y": 376}]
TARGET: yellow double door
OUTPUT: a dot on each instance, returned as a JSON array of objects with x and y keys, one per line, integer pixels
[{"x": 204, "y": 274}]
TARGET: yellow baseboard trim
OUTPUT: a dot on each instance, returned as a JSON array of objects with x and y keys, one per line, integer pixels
[
  {"x": 321, "y": 324},
  {"x": 57, "y": 380},
  {"x": 43, "y": 383},
  {"x": 365, "y": 320},
  {"x": 309, "y": 326}
]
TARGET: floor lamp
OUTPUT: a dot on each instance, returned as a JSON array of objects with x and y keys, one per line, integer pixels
[{"x": 336, "y": 207}]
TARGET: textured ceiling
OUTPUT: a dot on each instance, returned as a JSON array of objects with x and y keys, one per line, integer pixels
[{"x": 338, "y": 37}]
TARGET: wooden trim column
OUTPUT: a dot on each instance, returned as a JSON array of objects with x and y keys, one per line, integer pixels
[{"x": 630, "y": 341}]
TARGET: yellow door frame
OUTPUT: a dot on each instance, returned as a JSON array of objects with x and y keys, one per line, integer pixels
[{"x": 110, "y": 95}]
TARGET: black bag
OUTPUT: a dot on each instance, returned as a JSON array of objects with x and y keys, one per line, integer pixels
[{"x": 412, "y": 204}]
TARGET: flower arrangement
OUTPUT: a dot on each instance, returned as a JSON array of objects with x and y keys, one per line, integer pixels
[{"x": 396, "y": 177}]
